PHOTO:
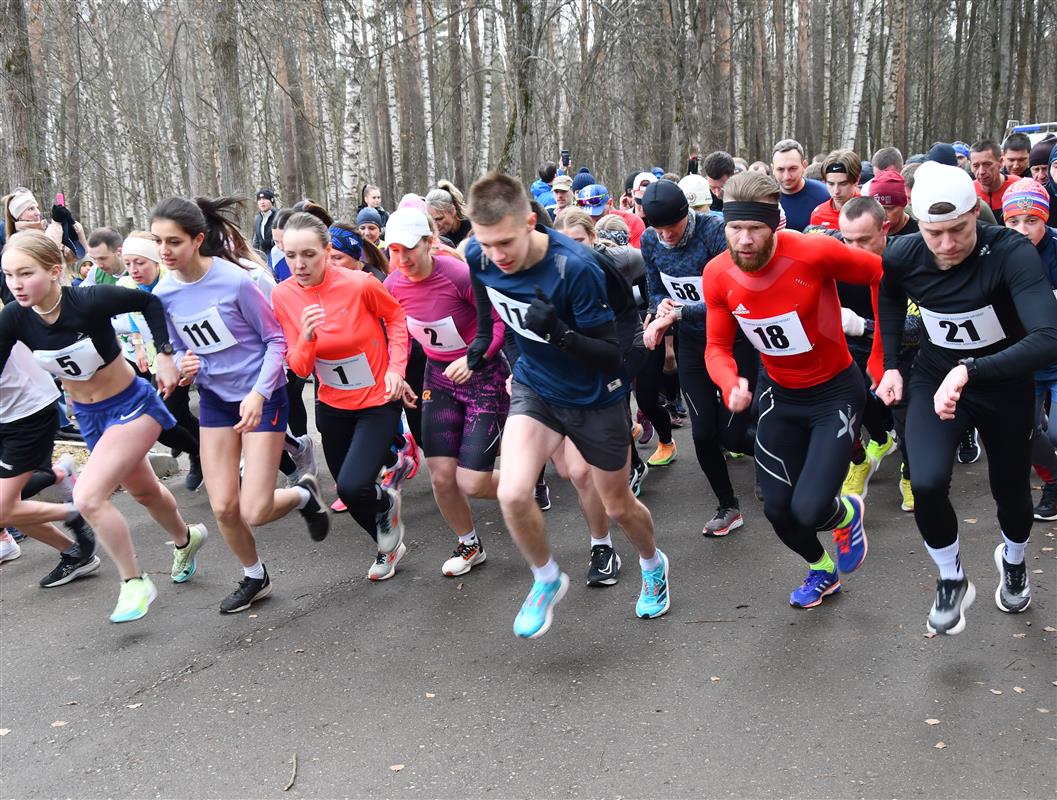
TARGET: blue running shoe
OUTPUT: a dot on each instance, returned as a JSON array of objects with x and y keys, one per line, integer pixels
[
  {"x": 817, "y": 585},
  {"x": 851, "y": 539},
  {"x": 654, "y": 599},
  {"x": 537, "y": 612}
]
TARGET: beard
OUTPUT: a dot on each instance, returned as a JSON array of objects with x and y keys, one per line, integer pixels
[{"x": 756, "y": 262}]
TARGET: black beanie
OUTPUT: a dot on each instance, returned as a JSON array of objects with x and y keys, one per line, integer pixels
[
  {"x": 1040, "y": 153},
  {"x": 943, "y": 153},
  {"x": 664, "y": 203}
]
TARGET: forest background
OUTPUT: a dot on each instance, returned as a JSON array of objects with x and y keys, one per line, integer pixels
[{"x": 120, "y": 103}]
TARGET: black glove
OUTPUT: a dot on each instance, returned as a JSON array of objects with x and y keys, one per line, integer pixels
[
  {"x": 542, "y": 318},
  {"x": 476, "y": 352}
]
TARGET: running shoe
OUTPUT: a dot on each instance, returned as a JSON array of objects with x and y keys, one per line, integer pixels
[
  {"x": 384, "y": 566},
  {"x": 69, "y": 433},
  {"x": 135, "y": 598},
  {"x": 314, "y": 512},
  {"x": 851, "y": 539},
  {"x": 465, "y": 558},
  {"x": 1013, "y": 594},
  {"x": 664, "y": 455},
  {"x": 725, "y": 520},
  {"x": 83, "y": 535},
  {"x": 816, "y": 585},
  {"x": 654, "y": 599},
  {"x": 604, "y": 569},
  {"x": 249, "y": 591},
  {"x": 637, "y": 474},
  {"x": 69, "y": 480},
  {"x": 390, "y": 525},
  {"x": 677, "y": 421},
  {"x": 906, "y": 490},
  {"x": 858, "y": 477},
  {"x": 543, "y": 495},
  {"x": 304, "y": 460},
  {"x": 732, "y": 456},
  {"x": 184, "y": 563},
  {"x": 646, "y": 427},
  {"x": 338, "y": 506},
  {"x": 1046, "y": 510},
  {"x": 16, "y": 534},
  {"x": 9, "y": 549},
  {"x": 953, "y": 597},
  {"x": 537, "y": 612},
  {"x": 969, "y": 448},
  {"x": 194, "y": 479},
  {"x": 71, "y": 566},
  {"x": 877, "y": 452},
  {"x": 679, "y": 407},
  {"x": 405, "y": 467}
]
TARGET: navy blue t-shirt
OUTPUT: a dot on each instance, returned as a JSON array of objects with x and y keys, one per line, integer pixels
[
  {"x": 798, "y": 207},
  {"x": 577, "y": 288}
]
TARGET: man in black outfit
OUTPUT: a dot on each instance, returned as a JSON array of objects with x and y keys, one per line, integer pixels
[{"x": 263, "y": 222}]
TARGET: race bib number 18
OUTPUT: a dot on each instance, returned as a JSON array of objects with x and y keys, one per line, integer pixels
[
  {"x": 513, "y": 313},
  {"x": 205, "y": 333},
  {"x": 783, "y": 335},
  {"x": 967, "y": 330}
]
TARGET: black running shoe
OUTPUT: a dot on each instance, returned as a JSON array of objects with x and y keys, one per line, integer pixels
[
  {"x": 69, "y": 433},
  {"x": 605, "y": 566},
  {"x": 969, "y": 448},
  {"x": 314, "y": 512},
  {"x": 194, "y": 479},
  {"x": 1046, "y": 510},
  {"x": 82, "y": 533},
  {"x": 1013, "y": 594},
  {"x": 948, "y": 610},
  {"x": 543, "y": 495},
  {"x": 249, "y": 592},
  {"x": 71, "y": 566},
  {"x": 638, "y": 472}
]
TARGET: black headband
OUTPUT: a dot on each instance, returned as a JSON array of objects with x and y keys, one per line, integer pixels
[
  {"x": 767, "y": 213},
  {"x": 836, "y": 167}
]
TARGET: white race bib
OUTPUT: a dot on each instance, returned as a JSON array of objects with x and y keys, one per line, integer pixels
[
  {"x": 777, "y": 336},
  {"x": 513, "y": 313},
  {"x": 966, "y": 330},
  {"x": 686, "y": 290},
  {"x": 442, "y": 334},
  {"x": 346, "y": 373},
  {"x": 78, "y": 362},
  {"x": 205, "y": 332}
]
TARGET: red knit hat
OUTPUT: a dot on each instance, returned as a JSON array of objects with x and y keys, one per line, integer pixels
[{"x": 888, "y": 188}]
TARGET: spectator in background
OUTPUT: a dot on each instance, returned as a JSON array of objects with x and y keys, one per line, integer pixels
[
  {"x": 583, "y": 179},
  {"x": 104, "y": 247},
  {"x": 740, "y": 165},
  {"x": 369, "y": 222},
  {"x": 562, "y": 187},
  {"x": 990, "y": 184},
  {"x": 73, "y": 238},
  {"x": 800, "y": 194},
  {"x": 264, "y": 221},
  {"x": 718, "y": 166},
  {"x": 1015, "y": 152},
  {"x": 961, "y": 152},
  {"x": 1039, "y": 158},
  {"x": 760, "y": 166},
  {"x": 371, "y": 197},
  {"x": 447, "y": 209},
  {"x": 541, "y": 187}
]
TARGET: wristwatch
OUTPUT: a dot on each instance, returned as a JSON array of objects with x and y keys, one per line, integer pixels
[
  {"x": 166, "y": 349},
  {"x": 970, "y": 366},
  {"x": 678, "y": 312}
]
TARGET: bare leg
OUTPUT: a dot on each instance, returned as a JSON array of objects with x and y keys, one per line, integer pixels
[
  {"x": 451, "y": 501},
  {"x": 21, "y": 513},
  {"x": 261, "y": 502},
  {"x": 221, "y": 449}
]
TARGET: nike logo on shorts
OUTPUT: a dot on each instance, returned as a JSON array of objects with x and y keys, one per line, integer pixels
[
  {"x": 275, "y": 420},
  {"x": 134, "y": 412},
  {"x": 5, "y": 465}
]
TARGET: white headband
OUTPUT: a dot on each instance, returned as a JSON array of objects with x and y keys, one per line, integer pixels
[
  {"x": 18, "y": 204},
  {"x": 144, "y": 248}
]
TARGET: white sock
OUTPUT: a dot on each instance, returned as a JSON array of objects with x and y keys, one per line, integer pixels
[
  {"x": 305, "y": 497},
  {"x": 650, "y": 563},
  {"x": 949, "y": 561},
  {"x": 607, "y": 540},
  {"x": 548, "y": 573},
  {"x": 1014, "y": 551},
  {"x": 469, "y": 538},
  {"x": 256, "y": 571}
]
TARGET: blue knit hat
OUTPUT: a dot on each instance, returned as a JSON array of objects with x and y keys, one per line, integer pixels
[{"x": 369, "y": 215}]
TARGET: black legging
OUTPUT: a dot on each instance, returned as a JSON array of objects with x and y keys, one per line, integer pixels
[
  {"x": 297, "y": 422},
  {"x": 415, "y": 375},
  {"x": 876, "y": 416},
  {"x": 184, "y": 435},
  {"x": 804, "y": 440},
  {"x": 1004, "y": 416},
  {"x": 356, "y": 445},
  {"x": 714, "y": 427},
  {"x": 648, "y": 382}
]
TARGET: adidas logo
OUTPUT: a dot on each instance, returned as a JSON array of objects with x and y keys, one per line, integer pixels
[{"x": 740, "y": 310}]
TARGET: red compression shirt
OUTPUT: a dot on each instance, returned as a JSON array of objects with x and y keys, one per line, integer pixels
[
  {"x": 826, "y": 216},
  {"x": 789, "y": 310}
]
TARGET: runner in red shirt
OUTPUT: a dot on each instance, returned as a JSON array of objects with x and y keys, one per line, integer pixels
[
  {"x": 990, "y": 184},
  {"x": 780, "y": 289},
  {"x": 841, "y": 171}
]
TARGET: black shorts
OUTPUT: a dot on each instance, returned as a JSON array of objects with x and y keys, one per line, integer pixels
[
  {"x": 27, "y": 444},
  {"x": 602, "y": 435}
]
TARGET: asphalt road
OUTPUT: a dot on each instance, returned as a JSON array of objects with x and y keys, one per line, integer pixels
[{"x": 416, "y": 687}]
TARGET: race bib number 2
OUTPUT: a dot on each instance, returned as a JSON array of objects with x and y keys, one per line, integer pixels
[
  {"x": 968, "y": 330},
  {"x": 205, "y": 333},
  {"x": 513, "y": 313},
  {"x": 783, "y": 335},
  {"x": 78, "y": 362},
  {"x": 442, "y": 334}
]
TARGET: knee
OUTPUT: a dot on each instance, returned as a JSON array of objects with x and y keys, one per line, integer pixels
[
  {"x": 257, "y": 513},
  {"x": 354, "y": 492},
  {"x": 88, "y": 502},
  {"x": 580, "y": 476},
  {"x": 477, "y": 484},
  {"x": 515, "y": 500},
  {"x": 810, "y": 512},
  {"x": 928, "y": 485},
  {"x": 444, "y": 481},
  {"x": 621, "y": 508},
  {"x": 226, "y": 510}
]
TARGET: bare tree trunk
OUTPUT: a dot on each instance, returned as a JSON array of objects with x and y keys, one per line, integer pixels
[
  {"x": 20, "y": 98},
  {"x": 224, "y": 44},
  {"x": 804, "y": 110},
  {"x": 458, "y": 144},
  {"x": 484, "y": 147},
  {"x": 427, "y": 96},
  {"x": 858, "y": 74}
]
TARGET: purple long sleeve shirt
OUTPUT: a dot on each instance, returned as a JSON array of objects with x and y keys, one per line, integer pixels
[{"x": 226, "y": 321}]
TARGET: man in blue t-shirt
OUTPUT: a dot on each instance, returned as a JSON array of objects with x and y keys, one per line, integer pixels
[
  {"x": 800, "y": 195},
  {"x": 568, "y": 381}
]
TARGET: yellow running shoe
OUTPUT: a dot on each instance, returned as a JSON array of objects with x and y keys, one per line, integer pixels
[
  {"x": 908, "y": 493},
  {"x": 136, "y": 597},
  {"x": 858, "y": 477},
  {"x": 664, "y": 455}
]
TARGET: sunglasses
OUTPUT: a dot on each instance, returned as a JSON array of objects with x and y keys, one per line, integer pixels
[{"x": 592, "y": 202}]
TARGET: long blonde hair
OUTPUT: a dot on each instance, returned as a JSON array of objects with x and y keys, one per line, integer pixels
[{"x": 37, "y": 246}]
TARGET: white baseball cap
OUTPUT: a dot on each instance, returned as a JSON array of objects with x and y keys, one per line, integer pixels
[
  {"x": 697, "y": 191},
  {"x": 642, "y": 180},
  {"x": 406, "y": 227},
  {"x": 936, "y": 184}
]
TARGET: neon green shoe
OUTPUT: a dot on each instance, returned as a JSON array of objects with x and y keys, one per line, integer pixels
[
  {"x": 908, "y": 493},
  {"x": 183, "y": 558},
  {"x": 855, "y": 482},
  {"x": 876, "y": 452},
  {"x": 136, "y": 597}
]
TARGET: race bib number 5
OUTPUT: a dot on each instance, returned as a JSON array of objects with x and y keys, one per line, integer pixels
[
  {"x": 345, "y": 373},
  {"x": 78, "y": 362},
  {"x": 205, "y": 333},
  {"x": 513, "y": 313},
  {"x": 442, "y": 334},
  {"x": 968, "y": 330},
  {"x": 687, "y": 290},
  {"x": 777, "y": 336}
]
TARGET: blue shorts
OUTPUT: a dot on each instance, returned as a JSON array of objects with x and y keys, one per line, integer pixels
[
  {"x": 215, "y": 412},
  {"x": 131, "y": 403}
]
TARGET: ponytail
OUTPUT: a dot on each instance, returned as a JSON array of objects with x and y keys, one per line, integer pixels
[{"x": 223, "y": 239}]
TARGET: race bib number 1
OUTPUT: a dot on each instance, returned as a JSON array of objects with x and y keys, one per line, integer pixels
[
  {"x": 967, "y": 330},
  {"x": 78, "y": 362},
  {"x": 513, "y": 313},
  {"x": 442, "y": 334},
  {"x": 345, "y": 373},
  {"x": 205, "y": 333},
  {"x": 783, "y": 335}
]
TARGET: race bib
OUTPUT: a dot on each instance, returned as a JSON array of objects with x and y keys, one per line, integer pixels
[
  {"x": 967, "y": 330},
  {"x": 346, "y": 373},
  {"x": 688, "y": 290},
  {"x": 442, "y": 334},
  {"x": 78, "y": 362},
  {"x": 513, "y": 314},
  {"x": 777, "y": 336},
  {"x": 205, "y": 333}
]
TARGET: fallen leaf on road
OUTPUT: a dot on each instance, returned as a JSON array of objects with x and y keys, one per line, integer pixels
[
  {"x": 1047, "y": 549},
  {"x": 1019, "y": 635},
  {"x": 299, "y": 650},
  {"x": 459, "y": 586},
  {"x": 4, "y": 731},
  {"x": 71, "y": 703},
  {"x": 932, "y": 722},
  {"x": 396, "y": 767},
  {"x": 1050, "y": 629},
  {"x": 971, "y": 520},
  {"x": 929, "y": 635},
  {"x": 714, "y": 678},
  {"x": 253, "y": 616},
  {"x": 59, "y": 723},
  {"x": 1036, "y": 572},
  {"x": 1043, "y": 710},
  {"x": 940, "y": 746},
  {"x": 996, "y": 691},
  {"x": 430, "y": 695},
  {"x": 1018, "y": 689},
  {"x": 134, "y": 705}
]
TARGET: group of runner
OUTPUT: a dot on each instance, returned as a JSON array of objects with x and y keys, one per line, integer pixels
[{"x": 812, "y": 325}]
